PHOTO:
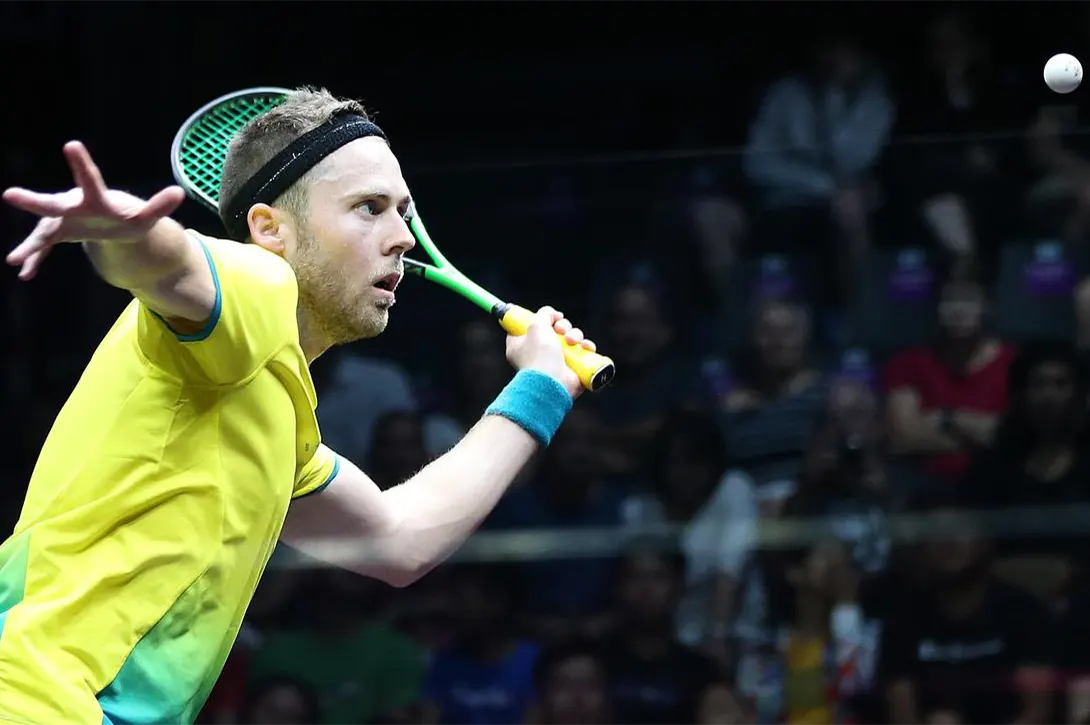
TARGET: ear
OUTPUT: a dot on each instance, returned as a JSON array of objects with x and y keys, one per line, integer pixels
[{"x": 267, "y": 228}]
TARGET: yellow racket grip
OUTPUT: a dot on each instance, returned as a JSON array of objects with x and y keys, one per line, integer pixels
[{"x": 595, "y": 370}]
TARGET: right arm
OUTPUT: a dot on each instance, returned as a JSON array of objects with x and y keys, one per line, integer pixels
[
  {"x": 165, "y": 269},
  {"x": 131, "y": 243},
  {"x": 911, "y": 431}
]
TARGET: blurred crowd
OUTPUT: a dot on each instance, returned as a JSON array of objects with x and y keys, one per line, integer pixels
[{"x": 878, "y": 309}]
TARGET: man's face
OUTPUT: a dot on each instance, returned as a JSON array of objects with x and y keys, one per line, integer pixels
[
  {"x": 781, "y": 337},
  {"x": 350, "y": 242},
  {"x": 1049, "y": 393},
  {"x": 961, "y": 310},
  {"x": 638, "y": 330},
  {"x": 576, "y": 692},
  {"x": 647, "y": 588}
]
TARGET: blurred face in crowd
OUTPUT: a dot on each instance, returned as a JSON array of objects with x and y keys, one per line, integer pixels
[
  {"x": 956, "y": 553},
  {"x": 481, "y": 361},
  {"x": 1050, "y": 397},
  {"x": 481, "y": 604},
  {"x": 952, "y": 47},
  {"x": 648, "y": 588},
  {"x": 281, "y": 704},
  {"x": 840, "y": 61},
  {"x": 571, "y": 460},
  {"x": 719, "y": 706},
  {"x": 398, "y": 449},
  {"x": 781, "y": 336},
  {"x": 687, "y": 474},
  {"x": 638, "y": 327},
  {"x": 961, "y": 310},
  {"x": 575, "y": 692}
]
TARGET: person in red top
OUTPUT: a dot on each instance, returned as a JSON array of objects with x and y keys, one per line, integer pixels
[{"x": 944, "y": 400}]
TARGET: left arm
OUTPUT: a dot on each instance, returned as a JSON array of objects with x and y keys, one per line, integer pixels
[{"x": 409, "y": 529}]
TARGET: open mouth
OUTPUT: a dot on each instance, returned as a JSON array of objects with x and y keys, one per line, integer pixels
[{"x": 389, "y": 282}]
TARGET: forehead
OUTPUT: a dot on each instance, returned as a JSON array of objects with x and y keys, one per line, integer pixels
[{"x": 364, "y": 166}]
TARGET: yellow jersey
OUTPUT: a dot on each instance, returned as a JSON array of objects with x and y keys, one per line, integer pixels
[{"x": 155, "y": 504}]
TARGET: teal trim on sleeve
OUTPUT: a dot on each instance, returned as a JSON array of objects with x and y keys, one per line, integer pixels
[
  {"x": 217, "y": 307},
  {"x": 329, "y": 480}
]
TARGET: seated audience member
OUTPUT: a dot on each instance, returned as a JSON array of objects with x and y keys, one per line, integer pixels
[
  {"x": 479, "y": 371},
  {"x": 961, "y": 185},
  {"x": 653, "y": 678},
  {"x": 813, "y": 151},
  {"x": 967, "y": 648},
  {"x": 770, "y": 412},
  {"x": 359, "y": 667},
  {"x": 280, "y": 701},
  {"x": 688, "y": 462},
  {"x": 568, "y": 491},
  {"x": 572, "y": 687},
  {"x": 1075, "y": 643},
  {"x": 721, "y": 705},
  {"x": 1041, "y": 457},
  {"x": 818, "y": 663},
  {"x": 944, "y": 400},
  {"x": 657, "y": 377},
  {"x": 398, "y": 450},
  {"x": 487, "y": 676}
]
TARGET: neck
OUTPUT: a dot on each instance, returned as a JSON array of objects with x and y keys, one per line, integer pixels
[
  {"x": 811, "y": 614},
  {"x": 648, "y": 641},
  {"x": 962, "y": 353},
  {"x": 775, "y": 382},
  {"x": 960, "y": 601},
  {"x": 311, "y": 338}
]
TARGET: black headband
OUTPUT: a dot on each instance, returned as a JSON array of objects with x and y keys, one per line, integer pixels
[{"x": 288, "y": 166}]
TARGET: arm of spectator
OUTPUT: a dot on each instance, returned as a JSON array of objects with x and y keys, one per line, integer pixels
[
  {"x": 1047, "y": 149},
  {"x": 911, "y": 431},
  {"x": 1078, "y": 698},
  {"x": 1036, "y": 685},
  {"x": 768, "y": 160},
  {"x": 1047, "y": 577},
  {"x": 976, "y": 428},
  {"x": 901, "y": 702},
  {"x": 858, "y": 145}
]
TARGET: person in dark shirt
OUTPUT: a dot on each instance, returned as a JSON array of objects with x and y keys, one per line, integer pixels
[
  {"x": 967, "y": 648},
  {"x": 653, "y": 678},
  {"x": 1040, "y": 458},
  {"x": 572, "y": 687}
]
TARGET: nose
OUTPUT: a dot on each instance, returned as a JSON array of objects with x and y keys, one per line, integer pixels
[{"x": 401, "y": 240}]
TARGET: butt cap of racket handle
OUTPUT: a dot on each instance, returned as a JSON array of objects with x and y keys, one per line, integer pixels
[{"x": 595, "y": 370}]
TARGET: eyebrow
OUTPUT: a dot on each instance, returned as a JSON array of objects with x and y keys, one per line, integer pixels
[{"x": 378, "y": 194}]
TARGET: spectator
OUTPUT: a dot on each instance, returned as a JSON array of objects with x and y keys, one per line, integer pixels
[
  {"x": 656, "y": 379},
  {"x": 813, "y": 151},
  {"x": 961, "y": 185},
  {"x": 968, "y": 649},
  {"x": 569, "y": 492},
  {"x": 572, "y": 687},
  {"x": 1041, "y": 457},
  {"x": 653, "y": 677},
  {"x": 397, "y": 448},
  {"x": 720, "y": 705},
  {"x": 688, "y": 460},
  {"x": 486, "y": 677},
  {"x": 355, "y": 392},
  {"x": 1076, "y": 660},
  {"x": 359, "y": 669},
  {"x": 771, "y": 412},
  {"x": 280, "y": 701},
  {"x": 944, "y": 401},
  {"x": 479, "y": 372},
  {"x": 818, "y": 662}
]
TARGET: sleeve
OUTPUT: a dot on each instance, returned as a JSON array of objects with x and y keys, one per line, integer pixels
[
  {"x": 899, "y": 373},
  {"x": 254, "y": 316},
  {"x": 317, "y": 473},
  {"x": 768, "y": 161}
]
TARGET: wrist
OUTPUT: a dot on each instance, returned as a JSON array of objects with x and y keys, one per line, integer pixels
[{"x": 535, "y": 401}]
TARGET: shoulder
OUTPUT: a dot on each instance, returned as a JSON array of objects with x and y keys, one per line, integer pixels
[
  {"x": 247, "y": 263},
  {"x": 914, "y": 362},
  {"x": 1011, "y": 602}
]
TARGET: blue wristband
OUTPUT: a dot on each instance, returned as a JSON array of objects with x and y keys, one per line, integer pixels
[{"x": 535, "y": 402}]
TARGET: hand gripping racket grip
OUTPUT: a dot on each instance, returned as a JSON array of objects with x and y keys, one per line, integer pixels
[{"x": 595, "y": 371}]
